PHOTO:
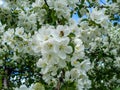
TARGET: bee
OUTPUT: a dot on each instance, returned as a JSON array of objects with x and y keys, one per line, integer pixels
[{"x": 61, "y": 33}]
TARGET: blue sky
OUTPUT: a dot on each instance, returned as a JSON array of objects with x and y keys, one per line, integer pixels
[{"x": 76, "y": 17}]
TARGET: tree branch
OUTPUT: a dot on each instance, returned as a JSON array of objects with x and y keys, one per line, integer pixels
[
  {"x": 58, "y": 85},
  {"x": 60, "y": 80},
  {"x": 46, "y": 3}
]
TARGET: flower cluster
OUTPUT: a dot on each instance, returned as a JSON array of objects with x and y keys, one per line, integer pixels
[
  {"x": 62, "y": 55},
  {"x": 41, "y": 33}
]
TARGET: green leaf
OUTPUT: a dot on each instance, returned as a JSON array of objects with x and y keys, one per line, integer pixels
[
  {"x": 82, "y": 1},
  {"x": 114, "y": 1},
  {"x": 117, "y": 88},
  {"x": 38, "y": 86},
  {"x": 68, "y": 86},
  {"x": 0, "y": 82},
  {"x": 79, "y": 14},
  {"x": 71, "y": 35}
]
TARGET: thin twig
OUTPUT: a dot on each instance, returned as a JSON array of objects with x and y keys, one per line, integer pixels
[
  {"x": 46, "y": 3},
  {"x": 60, "y": 80},
  {"x": 102, "y": 6},
  {"x": 58, "y": 85}
]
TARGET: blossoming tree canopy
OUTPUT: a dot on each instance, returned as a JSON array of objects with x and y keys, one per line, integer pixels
[{"x": 43, "y": 48}]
